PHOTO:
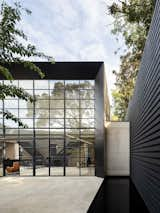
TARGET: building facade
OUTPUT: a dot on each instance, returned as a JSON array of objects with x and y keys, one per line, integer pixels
[{"x": 64, "y": 132}]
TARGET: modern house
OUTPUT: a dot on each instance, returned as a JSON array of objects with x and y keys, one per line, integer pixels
[
  {"x": 65, "y": 132},
  {"x": 69, "y": 133}
]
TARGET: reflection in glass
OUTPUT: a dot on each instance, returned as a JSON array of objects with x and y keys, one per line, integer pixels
[
  {"x": 41, "y": 84},
  {"x": 13, "y": 82},
  {"x": 72, "y": 104},
  {"x": 72, "y": 113},
  {"x": 56, "y": 113},
  {"x": 42, "y": 123},
  {"x": 25, "y": 113},
  {"x": 87, "y": 84},
  {"x": 54, "y": 104},
  {"x": 42, "y": 113},
  {"x": 57, "y": 157},
  {"x": 42, "y": 156},
  {"x": 87, "y": 94},
  {"x": 56, "y": 94},
  {"x": 60, "y": 123},
  {"x": 26, "y": 84},
  {"x": 56, "y": 123},
  {"x": 41, "y": 94},
  {"x": 42, "y": 104},
  {"x": 56, "y": 84},
  {"x": 1, "y": 158},
  {"x": 26, "y": 152},
  {"x": 10, "y": 104},
  {"x": 23, "y": 104}
]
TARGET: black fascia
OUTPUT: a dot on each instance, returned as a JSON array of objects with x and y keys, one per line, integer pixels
[{"x": 58, "y": 70}]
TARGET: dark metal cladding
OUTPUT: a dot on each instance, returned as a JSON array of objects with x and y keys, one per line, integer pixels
[
  {"x": 58, "y": 70},
  {"x": 99, "y": 121},
  {"x": 144, "y": 117}
]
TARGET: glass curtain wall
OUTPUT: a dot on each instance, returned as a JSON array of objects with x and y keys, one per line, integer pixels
[{"x": 59, "y": 135}]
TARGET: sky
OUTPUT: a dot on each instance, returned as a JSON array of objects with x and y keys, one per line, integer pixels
[{"x": 73, "y": 30}]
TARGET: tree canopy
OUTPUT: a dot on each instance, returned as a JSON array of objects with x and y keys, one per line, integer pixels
[{"x": 132, "y": 20}]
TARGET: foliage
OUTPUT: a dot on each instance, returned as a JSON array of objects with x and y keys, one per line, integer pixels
[
  {"x": 132, "y": 20},
  {"x": 55, "y": 100},
  {"x": 12, "y": 50}
]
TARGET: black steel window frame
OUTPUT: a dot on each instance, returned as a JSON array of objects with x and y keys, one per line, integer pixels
[{"x": 34, "y": 128}]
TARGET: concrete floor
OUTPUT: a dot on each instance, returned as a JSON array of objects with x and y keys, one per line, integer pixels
[{"x": 47, "y": 194}]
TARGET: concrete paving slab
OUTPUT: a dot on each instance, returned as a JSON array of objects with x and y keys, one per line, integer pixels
[{"x": 47, "y": 194}]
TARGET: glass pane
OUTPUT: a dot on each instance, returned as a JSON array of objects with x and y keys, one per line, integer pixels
[
  {"x": 87, "y": 123},
  {"x": 56, "y": 123},
  {"x": 42, "y": 104},
  {"x": 87, "y": 160},
  {"x": 28, "y": 122},
  {"x": 42, "y": 113},
  {"x": 71, "y": 94},
  {"x": 42, "y": 94},
  {"x": 1, "y": 159},
  {"x": 1, "y": 132},
  {"x": 72, "y": 133},
  {"x": 11, "y": 158},
  {"x": 72, "y": 113},
  {"x": 14, "y": 82},
  {"x": 1, "y": 105},
  {"x": 87, "y": 113},
  {"x": 72, "y": 123},
  {"x": 26, "y": 134},
  {"x": 41, "y": 132},
  {"x": 29, "y": 91},
  {"x": 26, "y": 152},
  {"x": 87, "y": 104},
  {"x": 42, "y": 123},
  {"x": 87, "y": 94},
  {"x": 72, "y": 166},
  {"x": 11, "y": 104},
  {"x": 26, "y": 113},
  {"x": 56, "y": 104},
  {"x": 25, "y": 104},
  {"x": 13, "y": 112},
  {"x": 42, "y": 156},
  {"x": 57, "y": 94},
  {"x": 26, "y": 84},
  {"x": 56, "y": 155},
  {"x": 10, "y": 124},
  {"x": 56, "y": 84},
  {"x": 41, "y": 84},
  {"x": 87, "y": 84},
  {"x": 71, "y": 85},
  {"x": 72, "y": 103},
  {"x": 57, "y": 133},
  {"x": 11, "y": 98},
  {"x": 57, "y": 113},
  {"x": 13, "y": 132}
]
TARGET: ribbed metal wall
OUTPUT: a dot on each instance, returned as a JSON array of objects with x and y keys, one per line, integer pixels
[{"x": 144, "y": 116}]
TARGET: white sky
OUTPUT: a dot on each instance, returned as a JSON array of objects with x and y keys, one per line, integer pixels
[{"x": 73, "y": 30}]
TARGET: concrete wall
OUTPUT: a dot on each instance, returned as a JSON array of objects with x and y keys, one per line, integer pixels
[
  {"x": 117, "y": 158},
  {"x": 12, "y": 150}
]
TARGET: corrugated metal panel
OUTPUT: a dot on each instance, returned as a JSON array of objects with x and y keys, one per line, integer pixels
[{"x": 144, "y": 116}]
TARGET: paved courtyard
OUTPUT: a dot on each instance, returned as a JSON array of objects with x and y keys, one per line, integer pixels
[{"x": 47, "y": 194}]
